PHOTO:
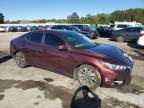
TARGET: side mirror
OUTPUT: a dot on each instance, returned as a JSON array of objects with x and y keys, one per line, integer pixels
[{"x": 62, "y": 48}]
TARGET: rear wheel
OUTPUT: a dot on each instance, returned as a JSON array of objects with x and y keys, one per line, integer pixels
[
  {"x": 20, "y": 60},
  {"x": 120, "y": 39},
  {"x": 87, "y": 75}
]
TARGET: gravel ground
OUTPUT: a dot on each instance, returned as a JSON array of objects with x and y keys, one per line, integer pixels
[{"x": 37, "y": 88}]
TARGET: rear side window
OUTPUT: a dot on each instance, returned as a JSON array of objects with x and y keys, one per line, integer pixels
[
  {"x": 36, "y": 37},
  {"x": 122, "y": 26},
  {"x": 53, "y": 40},
  {"x": 140, "y": 29},
  {"x": 68, "y": 28},
  {"x": 1, "y": 27},
  {"x": 57, "y": 27},
  {"x": 112, "y": 25},
  {"x": 133, "y": 29},
  {"x": 130, "y": 29}
]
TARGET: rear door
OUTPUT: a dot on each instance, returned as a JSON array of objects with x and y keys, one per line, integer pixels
[
  {"x": 34, "y": 48},
  {"x": 132, "y": 33}
]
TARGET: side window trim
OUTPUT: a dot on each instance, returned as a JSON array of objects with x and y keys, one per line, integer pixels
[
  {"x": 49, "y": 44},
  {"x": 42, "y": 40},
  {"x": 27, "y": 37}
]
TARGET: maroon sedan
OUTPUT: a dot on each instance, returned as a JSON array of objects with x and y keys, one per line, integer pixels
[{"x": 74, "y": 55}]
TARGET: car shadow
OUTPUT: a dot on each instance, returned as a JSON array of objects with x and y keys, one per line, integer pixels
[
  {"x": 85, "y": 101},
  {"x": 134, "y": 45},
  {"x": 5, "y": 58},
  {"x": 105, "y": 36},
  {"x": 139, "y": 52},
  {"x": 110, "y": 39}
]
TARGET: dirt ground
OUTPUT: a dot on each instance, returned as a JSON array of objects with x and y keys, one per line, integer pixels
[{"x": 37, "y": 88}]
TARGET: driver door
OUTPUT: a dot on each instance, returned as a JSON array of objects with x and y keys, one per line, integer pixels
[{"x": 60, "y": 61}]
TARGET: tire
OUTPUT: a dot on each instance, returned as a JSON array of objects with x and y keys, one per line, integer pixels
[
  {"x": 88, "y": 76},
  {"x": 120, "y": 39},
  {"x": 20, "y": 60}
]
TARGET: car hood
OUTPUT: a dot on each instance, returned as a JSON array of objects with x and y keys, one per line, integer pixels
[{"x": 112, "y": 52}]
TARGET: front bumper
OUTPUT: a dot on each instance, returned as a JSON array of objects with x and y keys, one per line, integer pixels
[
  {"x": 116, "y": 79},
  {"x": 112, "y": 78}
]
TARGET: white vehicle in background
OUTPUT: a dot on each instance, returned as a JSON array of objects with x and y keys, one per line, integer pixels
[
  {"x": 119, "y": 26},
  {"x": 2, "y": 29},
  {"x": 122, "y": 25},
  {"x": 141, "y": 39},
  {"x": 7, "y": 28}
]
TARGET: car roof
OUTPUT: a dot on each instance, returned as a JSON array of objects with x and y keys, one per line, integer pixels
[
  {"x": 55, "y": 31},
  {"x": 61, "y": 25}
]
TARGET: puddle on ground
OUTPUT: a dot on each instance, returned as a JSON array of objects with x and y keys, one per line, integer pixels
[
  {"x": 113, "y": 102},
  {"x": 134, "y": 89},
  {"x": 50, "y": 91},
  {"x": 6, "y": 84},
  {"x": 36, "y": 103},
  {"x": 48, "y": 79},
  {"x": 38, "y": 96},
  {"x": 30, "y": 84},
  {"x": 1, "y": 97},
  {"x": 53, "y": 92}
]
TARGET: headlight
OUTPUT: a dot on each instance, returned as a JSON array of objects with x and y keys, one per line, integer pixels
[
  {"x": 113, "y": 66},
  {"x": 128, "y": 57}
]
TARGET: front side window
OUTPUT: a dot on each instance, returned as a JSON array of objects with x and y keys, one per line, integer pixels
[
  {"x": 53, "y": 40},
  {"x": 36, "y": 37}
]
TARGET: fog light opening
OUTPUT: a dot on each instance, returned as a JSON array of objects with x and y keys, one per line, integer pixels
[{"x": 115, "y": 82}]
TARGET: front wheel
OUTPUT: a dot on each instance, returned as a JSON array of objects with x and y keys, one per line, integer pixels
[
  {"x": 88, "y": 76},
  {"x": 120, "y": 39},
  {"x": 20, "y": 60}
]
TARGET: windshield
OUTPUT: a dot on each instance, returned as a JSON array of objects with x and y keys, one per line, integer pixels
[
  {"x": 86, "y": 27},
  {"x": 75, "y": 29},
  {"x": 79, "y": 40}
]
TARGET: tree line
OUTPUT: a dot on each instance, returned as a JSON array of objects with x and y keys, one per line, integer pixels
[{"x": 129, "y": 15}]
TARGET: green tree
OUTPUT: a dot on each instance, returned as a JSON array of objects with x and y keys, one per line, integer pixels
[
  {"x": 128, "y": 15},
  {"x": 73, "y": 18},
  {"x": 89, "y": 19},
  {"x": 102, "y": 18},
  {"x": 1, "y": 18},
  {"x": 117, "y": 16},
  {"x": 82, "y": 20}
]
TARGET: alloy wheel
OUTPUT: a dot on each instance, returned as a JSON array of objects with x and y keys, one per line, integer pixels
[
  {"x": 87, "y": 76},
  {"x": 20, "y": 60}
]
